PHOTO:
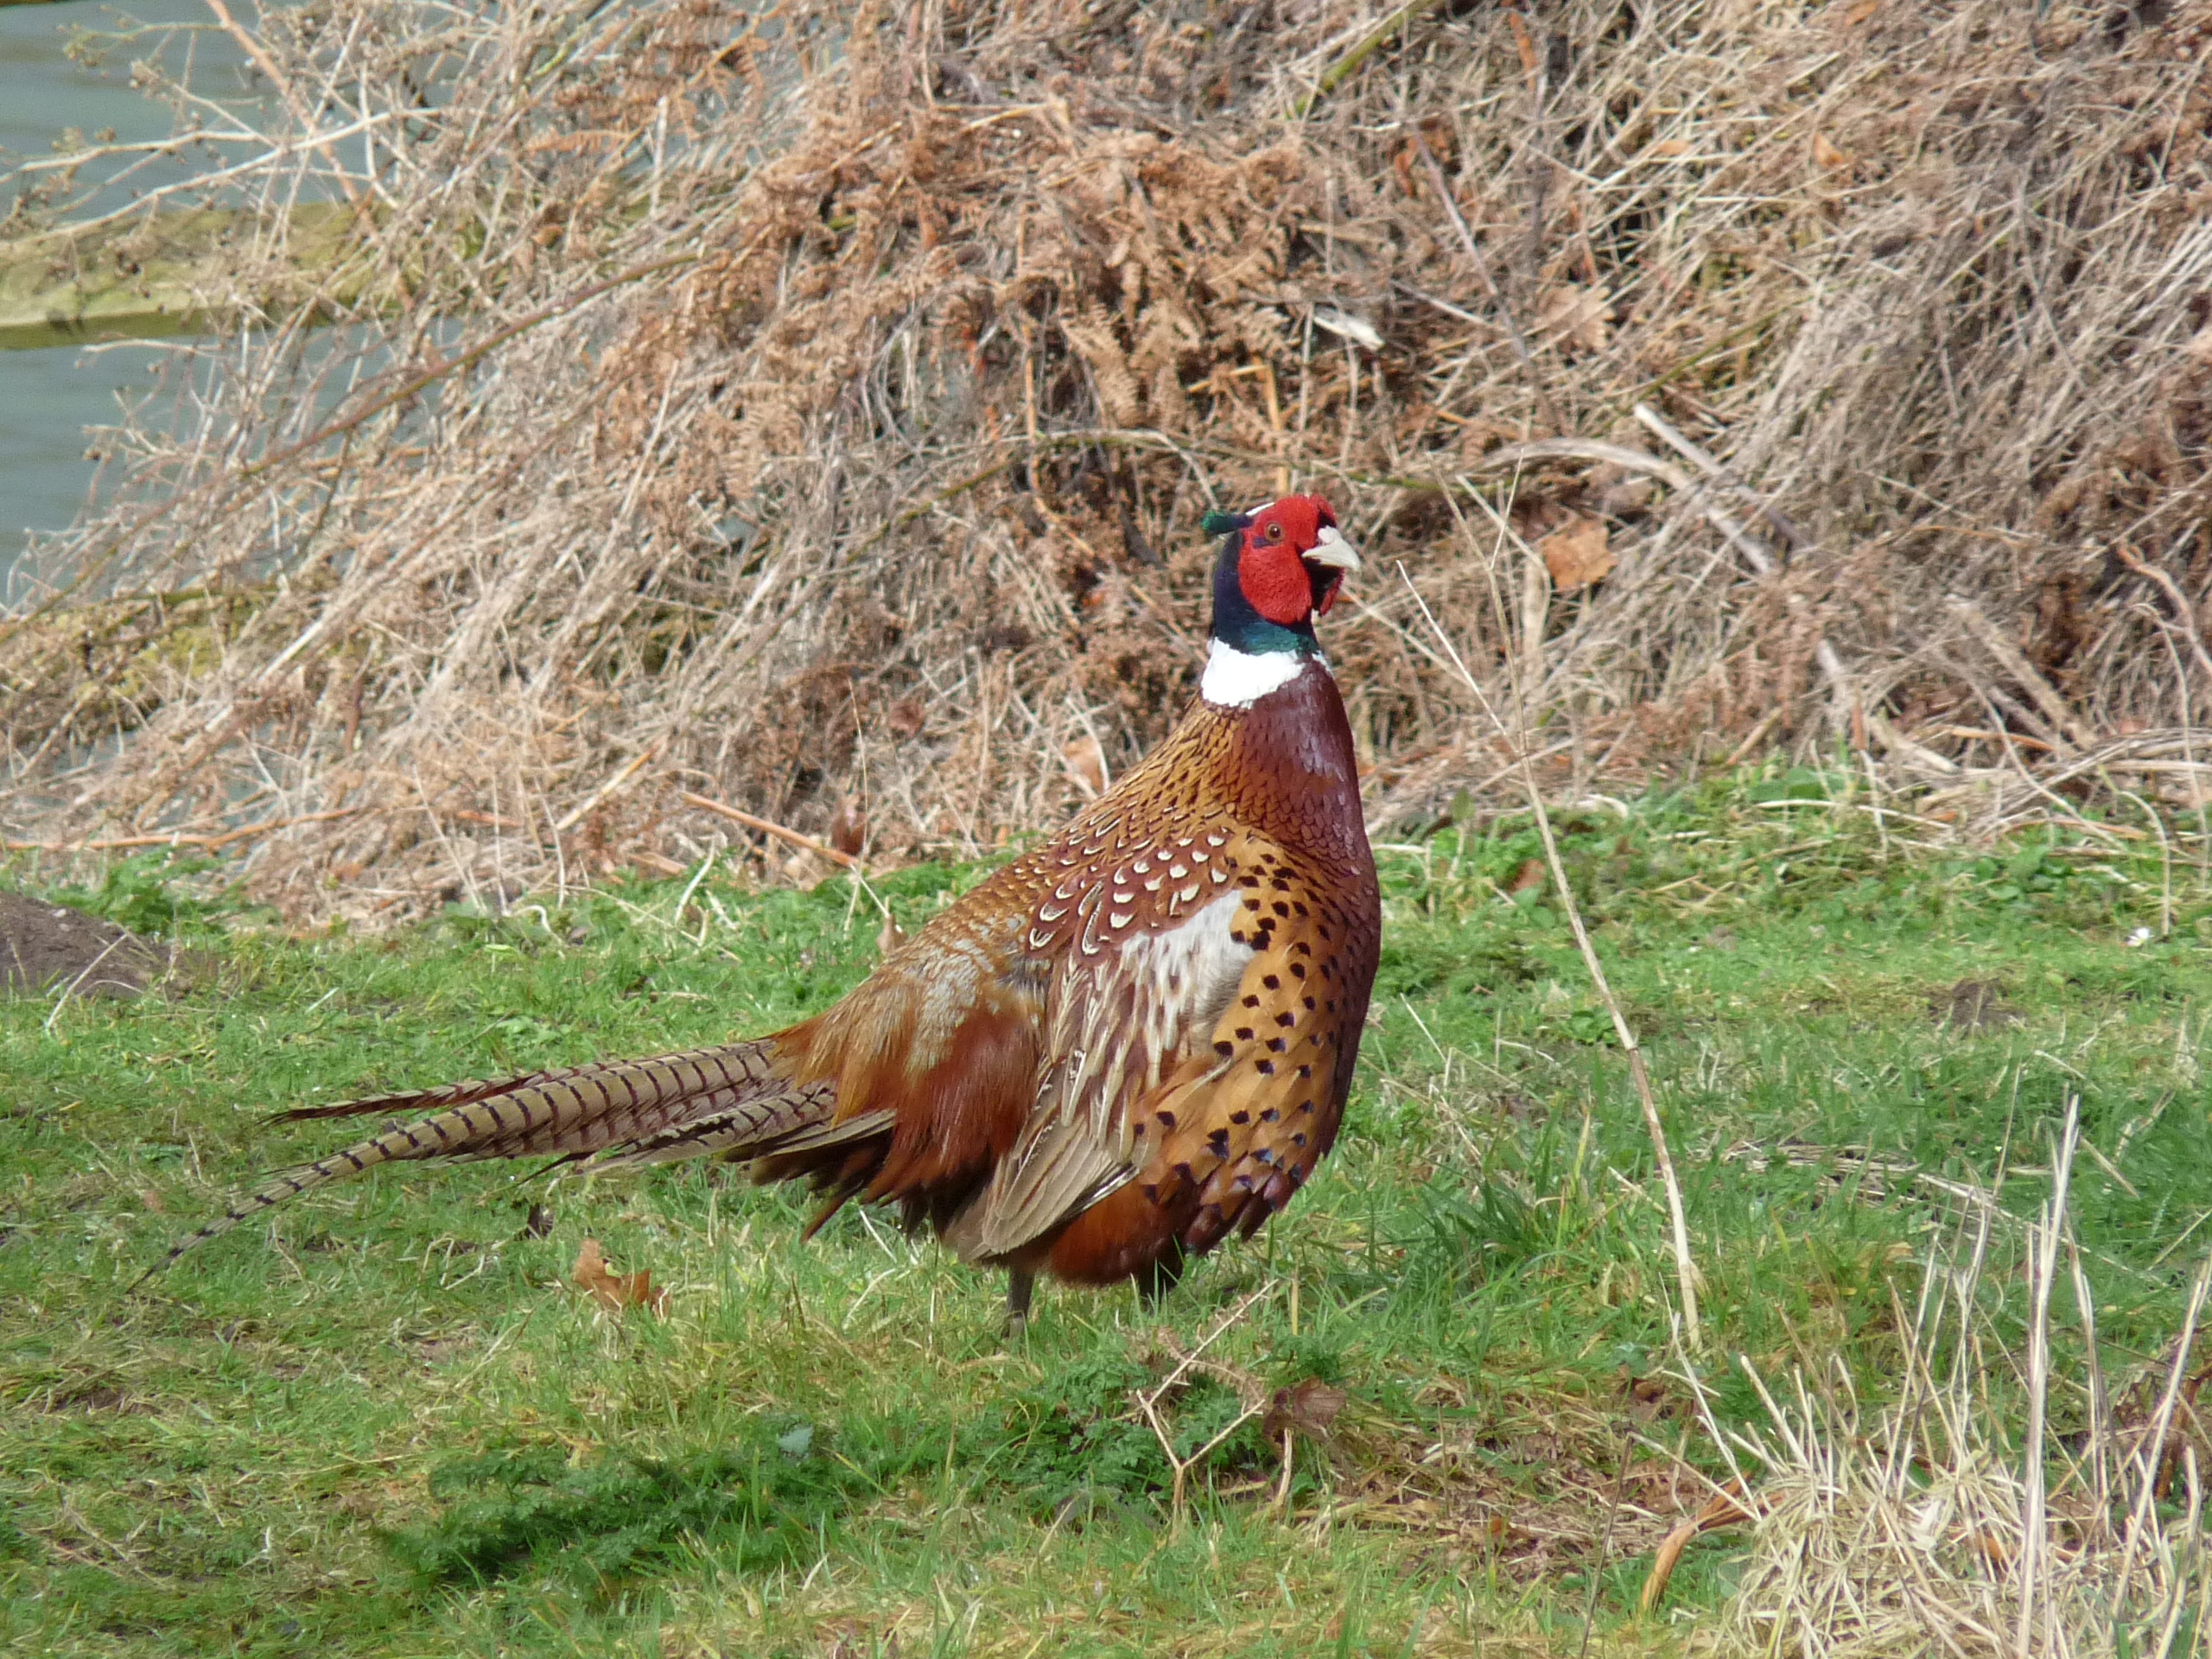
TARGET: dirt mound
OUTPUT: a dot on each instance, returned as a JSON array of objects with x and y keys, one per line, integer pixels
[
  {"x": 809, "y": 410},
  {"x": 44, "y": 945}
]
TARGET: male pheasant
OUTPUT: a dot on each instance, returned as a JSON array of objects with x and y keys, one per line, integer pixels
[{"x": 1119, "y": 1048}]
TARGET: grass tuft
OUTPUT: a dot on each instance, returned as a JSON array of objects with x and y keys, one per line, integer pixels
[{"x": 384, "y": 1420}]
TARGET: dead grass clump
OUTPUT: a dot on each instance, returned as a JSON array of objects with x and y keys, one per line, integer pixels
[
  {"x": 1956, "y": 1517},
  {"x": 797, "y": 405}
]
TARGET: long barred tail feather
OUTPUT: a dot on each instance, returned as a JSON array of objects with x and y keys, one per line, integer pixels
[
  {"x": 453, "y": 1094},
  {"x": 746, "y": 1131},
  {"x": 736, "y": 1101}
]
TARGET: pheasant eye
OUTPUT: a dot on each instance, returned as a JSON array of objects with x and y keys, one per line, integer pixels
[{"x": 1274, "y": 532}]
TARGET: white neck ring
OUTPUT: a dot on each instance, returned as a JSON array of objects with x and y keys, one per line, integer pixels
[{"x": 1237, "y": 679}]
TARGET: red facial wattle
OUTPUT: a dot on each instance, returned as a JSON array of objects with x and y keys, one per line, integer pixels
[
  {"x": 1272, "y": 568},
  {"x": 1273, "y": 578},
  {"x": 1325, "y": 590}
]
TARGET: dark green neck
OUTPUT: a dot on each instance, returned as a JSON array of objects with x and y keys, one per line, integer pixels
[{"x": 1236, "y": 624}]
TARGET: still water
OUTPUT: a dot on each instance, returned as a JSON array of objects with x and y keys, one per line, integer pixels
[{"x": 50, "y": 395}]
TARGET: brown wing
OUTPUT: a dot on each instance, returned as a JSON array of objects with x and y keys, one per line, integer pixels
[
  {"x": 931, "y": 1060},
  {"x": 1173, "y": 951},
  {"x": 1239, "y": 1122},
  {"x": 937, "y": 1058}
]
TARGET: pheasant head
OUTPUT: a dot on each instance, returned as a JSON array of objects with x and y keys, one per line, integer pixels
[{"x": 1280, "y": 566}]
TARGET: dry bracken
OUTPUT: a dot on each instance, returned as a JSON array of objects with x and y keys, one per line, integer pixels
[{"x": 795, "y": 406}]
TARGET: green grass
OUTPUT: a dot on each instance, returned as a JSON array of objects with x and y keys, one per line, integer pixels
[{"x": 388, "y": 1424}]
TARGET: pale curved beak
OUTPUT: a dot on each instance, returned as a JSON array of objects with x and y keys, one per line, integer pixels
[{"x": 1333, "y": 550}]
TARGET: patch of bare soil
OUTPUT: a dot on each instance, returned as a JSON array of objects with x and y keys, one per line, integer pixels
[
  {"x": 1973, "y": 1005},
  {"x": 44, "y": 944}
]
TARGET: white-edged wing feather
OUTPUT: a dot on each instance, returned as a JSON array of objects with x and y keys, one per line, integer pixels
[{"x": 1118, "y": 1023}]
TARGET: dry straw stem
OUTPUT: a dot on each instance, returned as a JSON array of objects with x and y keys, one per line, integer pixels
[
  {"x": 205, "y": 843},
  {"x": 1150, "y": 1401},
  {"x": 1922, "y": 1527},
  {"x": 828, "y": 399},
  {"x": 1677, "y": 1219}
]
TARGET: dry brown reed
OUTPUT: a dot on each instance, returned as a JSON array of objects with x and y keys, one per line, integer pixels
[{"x": 811, "y": 409}]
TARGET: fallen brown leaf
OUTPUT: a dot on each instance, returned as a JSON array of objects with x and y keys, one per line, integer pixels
[
  {"x": 1577, "y": 554},
  {"x": 848, "y": 827},
  {"x": 1308, "y": 1407},
  {"x": 1086, "y": 764},
  {"x": 1576, "y": 315},
  {"x": 1825, "y": 153},
  {"x": 615, "y": 1291},
  {"x": 905, "y": 717}
]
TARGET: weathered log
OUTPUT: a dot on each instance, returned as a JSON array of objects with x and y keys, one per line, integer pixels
[{"x": 170, "y": 273}]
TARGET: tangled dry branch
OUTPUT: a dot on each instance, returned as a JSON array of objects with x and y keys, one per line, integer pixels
[{"x": 811, "y": 410}]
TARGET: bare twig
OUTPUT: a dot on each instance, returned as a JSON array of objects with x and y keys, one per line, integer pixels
[
  {"x": 1148, "y": 1402},
  {"x": 208, "y": 843},
  {"x": 807, "y": 843},
  {"x": 2184, "y": 613},
  {"x": 1756, "y": 554},
  {"x": 1784, "y": 526},
  {"x": 2064, "y": 722},
  {"x": 411, "y": 387},
  {"x": 61, "y": 997},
  {"x": 614, "y": 785},
  {"x": 1450, "y": 207},
  {"x": 1342, "y": 70},
  {"x": 1724, "y": 1508},
  {"x": 2043, "y": 1271},
  {"x": 250, "y": 45}
]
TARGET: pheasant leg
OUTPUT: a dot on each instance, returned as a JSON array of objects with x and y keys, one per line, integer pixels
[{"x": 1020, "y": 1287}]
